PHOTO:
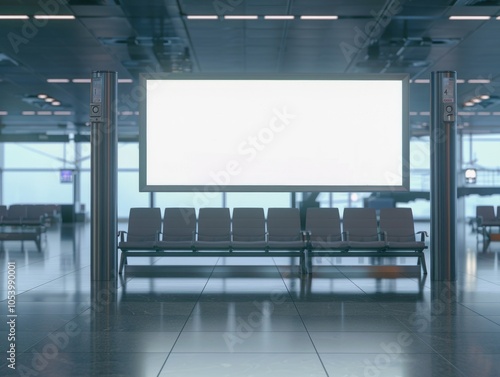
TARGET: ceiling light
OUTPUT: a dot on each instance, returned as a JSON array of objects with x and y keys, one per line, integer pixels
[
  {"x": 476, "y": 18},
  {"x": 81, "y": 81},
  {"x": 4, "y": 113},
  {"x": 58, "y": 81},
  {"x": 62, "y": 112},
  {"x": 277, "y": 17},
  {"x": 484, "y": 96},
  {"x": 42, "y": 96},
  {"x": 125, "y": 81},
  {"x": 476, "y": 100},
  {"x": 469, "y": 103},
  {"x": 202, "y": 17},
  {"x": 484, "y": 113},
  {"x": 44, "y": 113},
  {"x": 54, "y": 17},
  {"x": 332, "y": 17},
  {"x": 28, "y": 113},
  {"x": 241, "y": 17},
  {"x": 421, "y": 81},
  {"x": 460, "y": 81},
  {"x": 49, "y": 99},
  {"x": 56, "y": 103},
  {"x": 478, "y": 81},
  {"x": 13, "y": 17}
]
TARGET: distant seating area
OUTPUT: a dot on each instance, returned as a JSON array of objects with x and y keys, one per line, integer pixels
[
  {"x": 25, "y": 222},
  {"x": 486, "y": 221},
  {"x": 247, "y": 233}
]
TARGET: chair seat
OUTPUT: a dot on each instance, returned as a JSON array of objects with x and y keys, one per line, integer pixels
[
  {"x": 329, "y": 245},
  {"x": 285, "y": 245},
  {"x": 248, "y": 245},
  {"x": 361, "y": 245},
  {"x": 137, "y": 245},
  {"x": 410, "y": 245},
  {"x": 211, "y": 245},
  {"x": 174, "y": 245}
]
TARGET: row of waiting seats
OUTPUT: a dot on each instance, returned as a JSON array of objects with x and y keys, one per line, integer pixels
[
  {"x": 486, "y": 219},
  {"x": 25, "y": 222},
  {"x": 248, "y": 233}
]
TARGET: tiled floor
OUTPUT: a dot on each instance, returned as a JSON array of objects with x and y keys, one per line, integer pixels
[{"x": 248, "y": 317}]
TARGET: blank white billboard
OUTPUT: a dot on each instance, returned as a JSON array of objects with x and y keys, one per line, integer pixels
[{"x": 262, "y": 133}]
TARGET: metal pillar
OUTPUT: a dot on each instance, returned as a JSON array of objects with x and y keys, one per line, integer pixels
[
  {"x": 104, "y": 146},
  {"x": 443, "y": 175}
]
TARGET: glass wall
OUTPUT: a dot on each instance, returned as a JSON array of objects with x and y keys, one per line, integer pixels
[{"x": 31, "y": 174}]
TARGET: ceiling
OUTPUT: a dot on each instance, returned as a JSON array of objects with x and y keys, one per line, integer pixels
[{"x": 134, "y": 36}]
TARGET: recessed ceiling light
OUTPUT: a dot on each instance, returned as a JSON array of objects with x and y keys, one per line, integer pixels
[
  {"x": 54, "y": 17},
  {"x": 202, "y": 17},
  {"x": 57, "y": 81},
  {"x": 469, "y": 103},
  {"x": 278, "y": 17},
  {"x": 49, "y": 99},
  {"x": 13, "y": 17},
  {"x": 44, "y": 113},
  {"x": 62, "y": 112},
  {"x": 81, "y": 81},
  {"x": 476, "y": 100},
  {"x": 56, "y": 103},
  {"x": 478, "y": 81},
  {"x": 42, "y": 96},
  {"x": 476, "y": 18},
  {"x": 313, "y": 17},
  {"x": 241, "y": 17},
  {"x": 484, "y": 96},
  {"x": 4, "y": 113},
  {"x": 28, "y": 113}
]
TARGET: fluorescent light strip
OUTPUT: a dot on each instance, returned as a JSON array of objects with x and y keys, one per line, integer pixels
[
  {"x": 474, "y": 18},
  {"x": 62, "y": 112},
  {"x": 13, "y": 17},
  {"x": 460, "y": 81},
  {"x": 412, "y": 113},
  {"x": 241, "y": 17},
  {"x": 425, "y": 113},
  {"x": 421, "y": 81},
  {"x": 478, "y": 81},
  {"x": 496, "y": 113},
  {"x": 44, "y": 113},
  {"x": 278, "y": 17},
  {"x": 466, "y": 113},
  {"x": 125, "y": 81},
  {"x": 127, "y": 113},
  {"x": 81, "y": 81},
  {"x": 332, "y": 17},
  {"x": 58, "y": 81},
  {"x": 203, "y": 17},
  {"x": 484, "y": 113},
  {"x": 4, "y": 113},
  {"x": 28, "y": 113},
  {"x": 54, "y": 17}
]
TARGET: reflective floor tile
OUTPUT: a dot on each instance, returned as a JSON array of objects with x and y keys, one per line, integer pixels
[
  {"x": 461, "y": 343},
  {"x": 476, "y": 364},
  {"x": 353, "y": 323},
  {"x": 452, "y": 323},
  {"x": 254, "y": 320},
  {"x": 369, "y": 342},
  {"x": 244, "y": 340},
  {"x": 243, "y": 365},
  {"x": 388, "y": 365},
  {"x": 52, "y": 362}
]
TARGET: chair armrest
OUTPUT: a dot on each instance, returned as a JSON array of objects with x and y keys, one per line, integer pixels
[
  {"x": 121, "y": 234},
  {"x": 423, "y": 234},
  {"x": 345, "y": 235},
  {"x": 306, "y": 235},
  {"x": 383, "y": 235}
]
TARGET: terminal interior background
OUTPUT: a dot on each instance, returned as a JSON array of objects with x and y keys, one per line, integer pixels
[{"x": 175, "y": 320}]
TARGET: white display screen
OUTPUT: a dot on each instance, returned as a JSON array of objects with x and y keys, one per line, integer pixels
[{"x": 257, "y": 133}]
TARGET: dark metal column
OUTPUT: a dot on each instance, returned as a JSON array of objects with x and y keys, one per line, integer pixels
[
  {"x": 443, "y": 175},
  {"x": 104, "y": 145}
]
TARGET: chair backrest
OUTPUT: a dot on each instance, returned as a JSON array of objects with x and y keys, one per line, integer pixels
[
  {"x": 486, "y": 212},
  {"x": 360, "y": 224},
  {"x": 214, "y": 224},
  {"x": 17, "y": 211},
  {"x": 179, "y": 224},
  {"x": 397, "y": 224},
  {"x": 283, "y": 224},
  {"x": 36, "y": 211},
  {"x": 249, "y": 224},
  {"x": 144, "y": 224},
  {"x": 3, "y": 210},
  {"x": 323, "y": 224},
  {"x": 498, "y": 212}
]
